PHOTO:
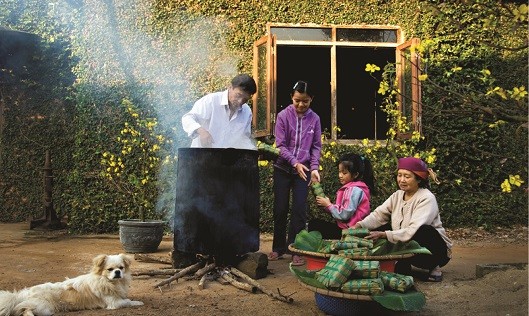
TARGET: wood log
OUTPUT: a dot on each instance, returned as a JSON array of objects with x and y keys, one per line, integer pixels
[
  {"x": 156, "y": 272},
  {"x": 243, "y": 286},
  {"x": 190, "y": 269},
  {"x": 202, "y": 281},
  {"x": 256, "y": 284},
  {"x": 204, "y": 270},
  {"x": 150, "y": 258}
]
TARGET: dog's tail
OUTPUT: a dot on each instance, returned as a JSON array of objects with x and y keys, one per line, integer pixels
[{"x": 8, "y": 301}]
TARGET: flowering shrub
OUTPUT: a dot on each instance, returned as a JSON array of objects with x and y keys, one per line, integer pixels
[{"x": 132, "y": 168}]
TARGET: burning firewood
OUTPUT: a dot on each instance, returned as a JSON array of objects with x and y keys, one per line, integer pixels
[
  {"x": 226, "y": 275},
  {"x": 202, "y": 281},
  {"x": 150, "y": 258},
  {"x": 204, "y": 270},
  {"x": 256, "y": 284},
  {"x": 190, "y": 269},
  {"x": 156, "y": 272}
]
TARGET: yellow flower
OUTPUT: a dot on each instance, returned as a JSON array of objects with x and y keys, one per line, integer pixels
[
  {"x": 518, "y": 93},
  {"x": 430, "y": 159},
  {"x": 499, "y": 91},
  {"x": 497, "y": 123},
  {"x": 458, "y": 181},
  {"x": 423, "y": 77},
  {"x": 515, "y": 180},
  {"x": 505, "y": 186},
  {"x": 262, "y": 163},
  {"x": 520, "y": 13},
  {"x": 333, "y": 144},
  {"x": 383, "y": 88},
  {"x": 372, "y": 68},
  {"x": 365, "y": 141}
]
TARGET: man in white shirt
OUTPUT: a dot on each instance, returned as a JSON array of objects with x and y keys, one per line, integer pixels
[{"x": 223, "y": 119}]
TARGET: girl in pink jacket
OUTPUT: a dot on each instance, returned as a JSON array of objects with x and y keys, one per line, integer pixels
[{"x": 352, "y": 199}]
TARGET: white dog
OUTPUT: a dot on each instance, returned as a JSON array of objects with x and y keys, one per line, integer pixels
[{"x": 106, "y": 286}]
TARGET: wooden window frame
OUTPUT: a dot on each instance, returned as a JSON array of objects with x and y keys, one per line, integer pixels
[
  {"x": 269, "y": 94},
  {"x": 413, "y": 61}
]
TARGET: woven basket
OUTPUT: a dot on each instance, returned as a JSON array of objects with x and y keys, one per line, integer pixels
[
  {"x": 328, "y": 255},
  {"x": 338, "y": 303},
  {"x": 336, "y": 306}
]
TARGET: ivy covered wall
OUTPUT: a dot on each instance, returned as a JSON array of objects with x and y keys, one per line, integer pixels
[{"x": 163, "y": 55}]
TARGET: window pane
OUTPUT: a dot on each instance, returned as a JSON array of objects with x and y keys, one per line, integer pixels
[
  {"x": 364, "y": 35},
  {"x": 301, "y": 33}
]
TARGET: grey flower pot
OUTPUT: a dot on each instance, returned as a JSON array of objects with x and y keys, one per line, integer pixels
[{"x": 138, "y": 236}]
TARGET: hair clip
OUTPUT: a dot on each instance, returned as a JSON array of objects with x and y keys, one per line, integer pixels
[{"x": 298, "y": 86}]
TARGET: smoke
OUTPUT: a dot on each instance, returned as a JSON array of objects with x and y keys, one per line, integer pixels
[{"x": 121, "y": 44}]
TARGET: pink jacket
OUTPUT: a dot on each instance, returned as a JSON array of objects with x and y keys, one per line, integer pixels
[{"x": 352, "y": 204}]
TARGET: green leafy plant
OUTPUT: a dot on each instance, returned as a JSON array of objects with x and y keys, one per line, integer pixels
[{"x": 132, "y": 168}]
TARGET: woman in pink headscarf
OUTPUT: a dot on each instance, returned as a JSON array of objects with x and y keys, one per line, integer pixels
[{"x": 411, "y": 213}]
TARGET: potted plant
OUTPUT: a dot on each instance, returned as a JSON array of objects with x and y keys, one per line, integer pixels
[{"x": 131, "y": 170}]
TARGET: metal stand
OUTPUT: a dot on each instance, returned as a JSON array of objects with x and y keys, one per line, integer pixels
[{"x": 49, "y": 221}]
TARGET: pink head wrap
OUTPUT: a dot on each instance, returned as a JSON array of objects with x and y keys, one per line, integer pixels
[{"x": 414, "y": 165}]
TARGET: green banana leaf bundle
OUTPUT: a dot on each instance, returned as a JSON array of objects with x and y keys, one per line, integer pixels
[
  {"x": 358, "y": 232},
  {"x": 396, "y": 282},
  {"x": 341, "y": 245},
  {"x": 363, "y": 286},
  {"x": 360, "y": 242},
  {"x": 308, "y": 241},
  {"x": 368, "y": 269},
  {"x": 355, "y": 252},
  {"x": 336, "y": 271}
]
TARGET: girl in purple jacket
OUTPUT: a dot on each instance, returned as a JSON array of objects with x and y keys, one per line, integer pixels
[
  {"x": 352, "y": 199},
  {"x": 298, "y": 137}
]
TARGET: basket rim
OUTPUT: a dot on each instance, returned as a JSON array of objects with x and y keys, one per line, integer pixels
[
  {"x": 327, "y": 292},
  {"x": 328, "y": 255}
]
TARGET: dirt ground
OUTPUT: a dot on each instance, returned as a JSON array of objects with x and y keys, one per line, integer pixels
[{"x": 32, "y": 257}]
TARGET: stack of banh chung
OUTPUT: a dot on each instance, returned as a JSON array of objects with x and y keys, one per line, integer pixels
[{"x": 362, "y": 277}]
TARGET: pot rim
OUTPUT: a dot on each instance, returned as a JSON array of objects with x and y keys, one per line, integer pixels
[{"x": 138, "y": 222}]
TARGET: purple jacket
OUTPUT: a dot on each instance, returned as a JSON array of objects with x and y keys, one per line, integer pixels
[
  {"x": 352, "y": 204},
  {"x": 298, "y": 138}
]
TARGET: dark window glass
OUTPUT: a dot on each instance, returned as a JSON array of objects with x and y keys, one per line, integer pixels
[{"x": 366, "y": 35}]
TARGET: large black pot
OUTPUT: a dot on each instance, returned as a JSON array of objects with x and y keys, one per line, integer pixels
[{"x": 217, "y": 203}]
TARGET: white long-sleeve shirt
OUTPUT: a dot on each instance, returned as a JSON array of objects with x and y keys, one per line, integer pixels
[
  {"x": 212, "y": 113},
  {"x": 407, "y": 216}
]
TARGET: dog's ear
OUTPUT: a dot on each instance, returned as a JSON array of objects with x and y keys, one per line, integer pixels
[
  {"x": 127, "y": 260},
  {"x": 99, "y": 263}
]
